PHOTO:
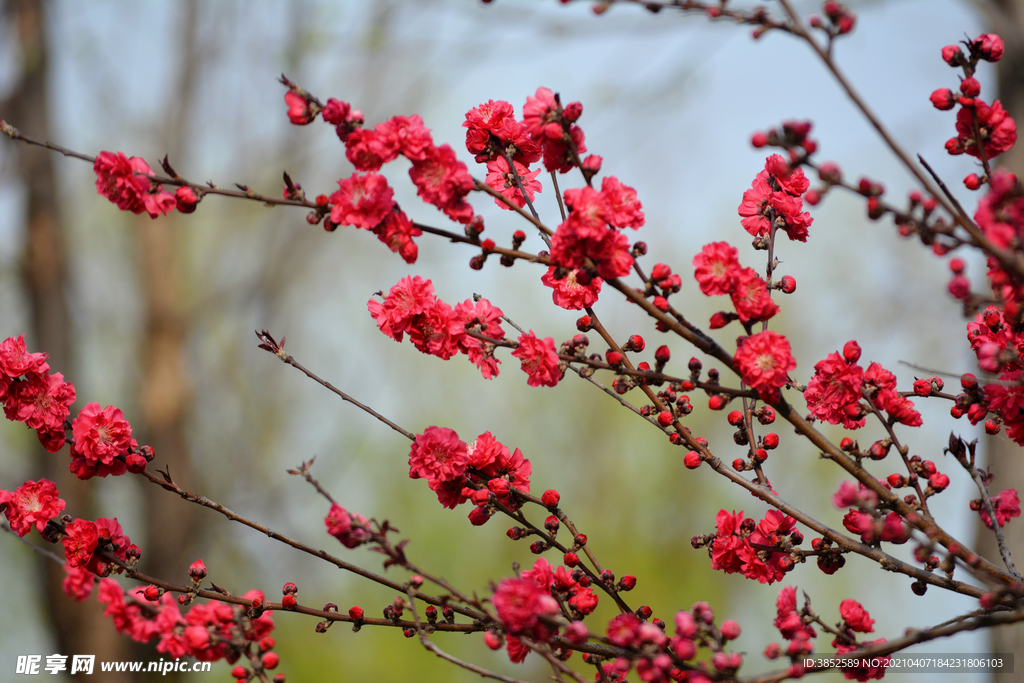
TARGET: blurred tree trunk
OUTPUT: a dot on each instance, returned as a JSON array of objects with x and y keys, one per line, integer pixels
[
  {"x": 172, "y": 524},
  {"x": 173, "y": 527},
  {"x": 1005, "y": 458},
  {"x": 78, "y": 628}
]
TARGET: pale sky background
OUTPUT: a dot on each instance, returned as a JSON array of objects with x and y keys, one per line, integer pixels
[{"x": 670, "y": 103}]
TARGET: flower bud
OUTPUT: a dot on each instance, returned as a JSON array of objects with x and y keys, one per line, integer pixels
[
  {"x": 730, "y": 630},
  {"x": 550, "y": 498},
  {"x": 952, "y": 55},
  {"x": 989, "y": 47},
  {"x": 943, "y": 99},
  {"x": 197, "y": 571}
]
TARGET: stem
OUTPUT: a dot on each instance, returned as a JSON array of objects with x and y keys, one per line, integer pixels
[{"x": 1011, "y": 262}]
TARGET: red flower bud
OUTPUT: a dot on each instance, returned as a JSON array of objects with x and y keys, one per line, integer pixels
[
  {"x": 662, "y": 354},
  {"x": 665, "y": 418},
  {"x": 356, "y": 612},
  {"x": 197, "y": 571},
  {"x": 943, "y": 99},
  {"x": 135, "y": 462},
  {"x": 692, "y": 460},
  {"x": 271, "y": 660},
  {"x": 730, "y": 630},
  {"x": 989, "y": 46},
  {"x": 492, "y": 640},
  {"x": 952, "y": 55},
  {"x": 851, "y": 351},
  {"x": 288, "y": 602},
  {"x": 970, "y": 87}
]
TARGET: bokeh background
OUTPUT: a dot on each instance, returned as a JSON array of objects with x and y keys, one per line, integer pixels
[{"x": 156, "y": 317}]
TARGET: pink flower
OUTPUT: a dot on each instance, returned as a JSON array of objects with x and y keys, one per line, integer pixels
[
  {"x": 570, "y": 292},
  {"x": 487, "y": 318},
  {"x": 998, "y": 129},
  {"x": 522, "y": 604},
  {"x": 760, "y": 202},
  {"x": 438, "y": 331},
  {"x": 299, "y": 111},
  {"x": 788, "y": 621},
  {"x": 442, "y": 180},
  {"x": 764, "y": 360},
  {"x": 78, "y": 583},
  {"x": 42, "y": 402},
  {"x": 438, "y": 455},
  {"x": 34, "y": 503},
  {"x": 15, "y": 360},
  {"x": 413, "y": 138},
  {"x": 624, "y": 630},
  {"x": 501, "y": 179},
  {"x": 405, "y": 302},
  {"x": 397, "y": 232},
  {"x": 542, "y": 573},
  {"x": 791, "y": 180},
  {"x": 1006, "y": 505},
  {"x": 81, "y": 540},
  {"x": 751, "y": 298},
  {"x": 625, "y": 210},
  {"x": 340, "y": 525},
  {"x": 835, "y": 390},
  {"x": 516, "y": 650},
  {"x": 367, "y": 151},
  {"x": 856, "y": 617},
  {"x": 362, "y": 201},
  {"x": 126, "y": 182},
  {"x": 539, "y": 111},
  {"x": 755, "y": 205},
  {"x": 887, "y": 398},
  {"x": 717, "y": 268},
  {"x": 539, "y": 360},
  {"x": 101, "y": 434},
  {"x": 482, "y": 122}
]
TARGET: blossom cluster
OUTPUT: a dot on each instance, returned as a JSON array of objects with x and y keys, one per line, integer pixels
[
  {"x": 128, "y": 182},
  {"x": 796, "y": 628},
  {"x": 759, "y": 551},
  {"x": 839, "y": 385},
  {"x": 435, "y": 328},
  {"x": 101, "y": 442},
  {"x": 774, "y": 201},
  {"x": 33, "y": 396},
  {"x": 458, "y": 472},
  {"x": 592, "y": 230},
  {"x": 209, "y": 632}
]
